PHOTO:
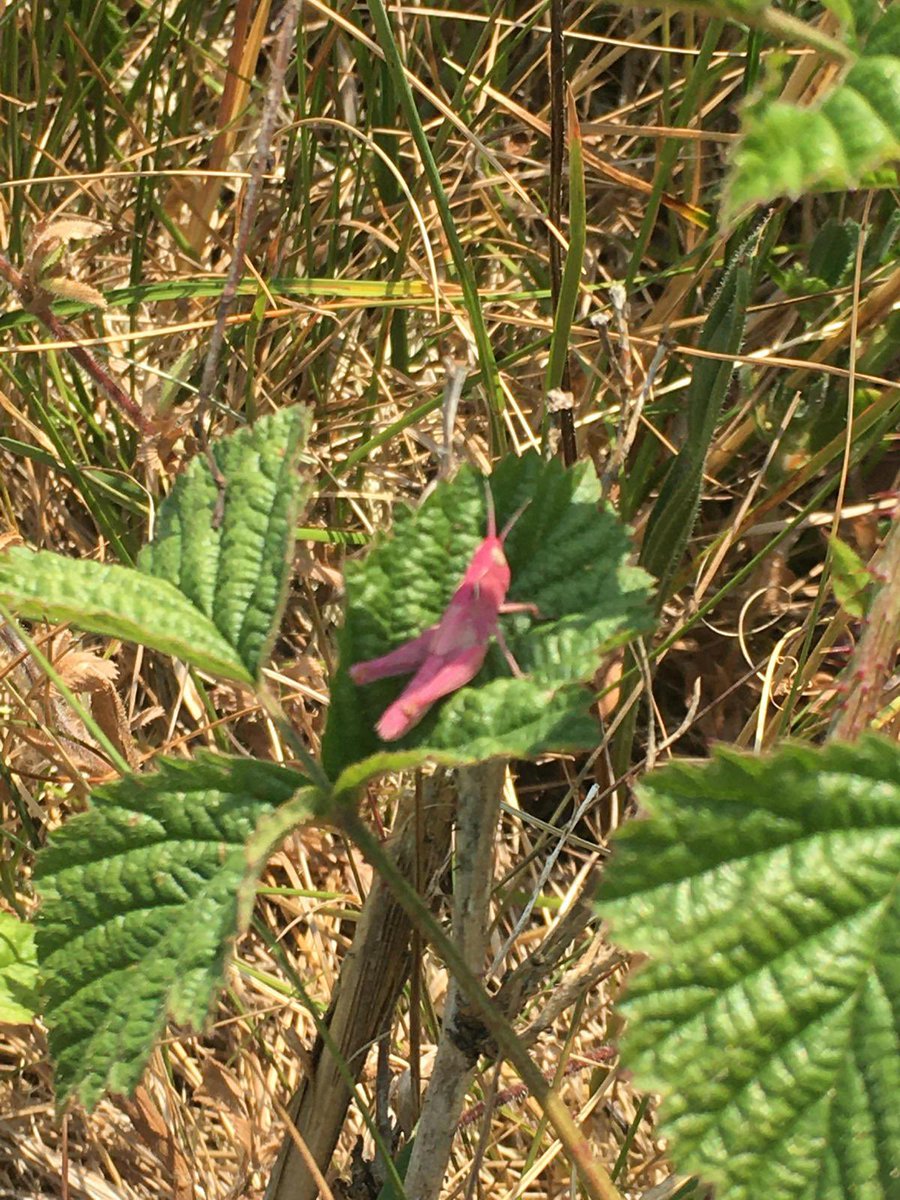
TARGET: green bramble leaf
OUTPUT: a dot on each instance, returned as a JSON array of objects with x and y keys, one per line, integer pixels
[
  {"x": 211, "y": 595},
  {"x": 766, "y": 892},
  {"x": 235, "y": 570},
  {"x": 143, "y": 896},
  {"x": 18, "y": 971},
  {"x": 854, "y": 131},
  {"x": 566, "y": 556},
  {"x": 117, "y": 602}
]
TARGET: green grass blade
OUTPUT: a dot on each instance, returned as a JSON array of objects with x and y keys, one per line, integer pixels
[
  {"x": 461, "y": 262},
  {"x": 673, "y": 515},
  {"x": 571, "y": 280}
]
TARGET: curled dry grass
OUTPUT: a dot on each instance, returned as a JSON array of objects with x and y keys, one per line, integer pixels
[{"x": 142, "y": 119}]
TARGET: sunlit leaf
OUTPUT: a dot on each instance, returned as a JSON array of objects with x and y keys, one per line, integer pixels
[
  {"x": 766, "y": 892},
  {"x": 18, "y": 971},
  {"x": 143, "y": 896}
]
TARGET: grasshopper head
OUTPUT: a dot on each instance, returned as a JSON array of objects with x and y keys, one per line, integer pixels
[{"x": 489, "y": 570}]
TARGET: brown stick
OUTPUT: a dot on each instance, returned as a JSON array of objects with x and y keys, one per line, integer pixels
[{"x": 480, "y": 790}]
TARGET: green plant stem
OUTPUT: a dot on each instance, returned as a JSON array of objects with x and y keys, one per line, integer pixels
[
  {"x": 596, "y": 1180},
  {"x": 698, "y": 80},
  {"x": 792, "y": 29}
]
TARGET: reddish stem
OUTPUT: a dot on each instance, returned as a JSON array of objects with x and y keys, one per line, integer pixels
[
  {"x": 874, "y": 656},
  {"x": 35, "y": 303}
]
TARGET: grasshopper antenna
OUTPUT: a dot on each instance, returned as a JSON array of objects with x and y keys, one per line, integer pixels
[
  {"x": 507, "y": 528},
  {"x": 491, "y": 515},
  {"x": 492, "y": 518}
]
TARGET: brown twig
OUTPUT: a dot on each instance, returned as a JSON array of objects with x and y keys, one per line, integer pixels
[
  {"x": 38, "y": 304},
  {"x": 285, "y": 41},
  {"x": 372, "y": 976},
  {"x": 594, "y": 1177},
  {"x": 480, "y": 789}
]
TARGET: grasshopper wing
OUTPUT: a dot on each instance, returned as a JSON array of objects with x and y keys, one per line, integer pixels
[
  {"x": 437, "y": 677},
  {"x": 400, "y": 661}
]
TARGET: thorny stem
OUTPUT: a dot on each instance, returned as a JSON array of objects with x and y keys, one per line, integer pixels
[
  {"x": 873, "y": 659},
  {"x": 479, "y": 790},
  {"x": 595, "y": 1179},
  {"x": 38, "y": 306}
]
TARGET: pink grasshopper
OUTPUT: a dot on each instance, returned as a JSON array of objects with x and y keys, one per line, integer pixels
[{"x": 446, "y": 656}]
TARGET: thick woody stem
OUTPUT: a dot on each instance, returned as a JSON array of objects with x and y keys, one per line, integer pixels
[
  {"x": 372, "y": 976},
  {"x": 479, "y": 789},
  {"x": 594, "y": 1178}
]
